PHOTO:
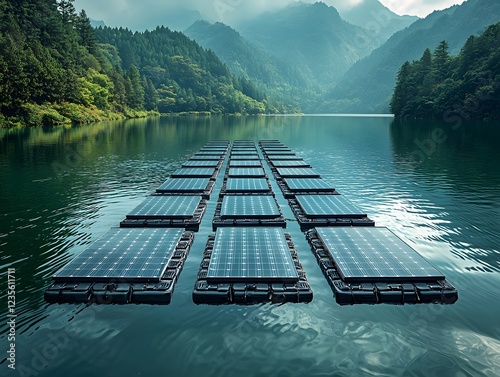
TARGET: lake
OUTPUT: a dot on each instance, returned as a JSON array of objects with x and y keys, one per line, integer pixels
[{"x": 434, "y": 184}]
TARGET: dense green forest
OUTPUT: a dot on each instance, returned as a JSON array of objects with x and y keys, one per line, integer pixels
[
  {"x": 55, "y": 69},
  {"x": 438, "y": 84},
  {"x": 184, "y": 76}
]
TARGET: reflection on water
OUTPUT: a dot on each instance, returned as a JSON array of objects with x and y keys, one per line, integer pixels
[{"x": 63, "y": 187}]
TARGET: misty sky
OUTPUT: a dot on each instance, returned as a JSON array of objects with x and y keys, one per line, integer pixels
[{"x": 142, "y": 14}]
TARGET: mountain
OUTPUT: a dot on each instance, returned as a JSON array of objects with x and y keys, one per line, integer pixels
[
  {"x": 185, "y": 76},
  {"x": 378, "y": 19},
  {"x": 368, "y": 85},
  {"x": 455, "y": 87},
  {"x": 282, "y": 82},
  {"x": 314, "y": 38},
  {"x": 97, "y": 23}
]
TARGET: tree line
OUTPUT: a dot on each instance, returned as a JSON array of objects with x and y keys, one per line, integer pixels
[
  {"x": 56, "y": 68},
  {"x": 439, "y": 85}
]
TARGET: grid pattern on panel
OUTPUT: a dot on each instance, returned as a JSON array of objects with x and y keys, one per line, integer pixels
[
  {"x": 245, "y": 163},
  {"x": 247, "y": 184},
  {"x": 279, "y": 153},
  {"x": 197, "y": 163},
  {"x": 125, "y": 254},
  {"x": 284, "y": 158},
  {"x": 249, "y": 254},
  {"x": 254, "y": 172},
  {"x": 302, "y": 184},
  {"x": 196, "y": 172},
  {"x": 184, "y": 185},
  {"x": 375, "y": 255},
  {"x": 254, "y": 206},
  {"x": 291, "y": 163},
  {"x": 327, "y": 205},
  {"x": 166, "y": 207},
  {"x": 294, "y": 172}
]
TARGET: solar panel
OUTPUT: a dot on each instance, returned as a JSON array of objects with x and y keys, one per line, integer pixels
[
  {"x": 194, "y": 172},
  {"x": 328, "y": 205},
  {"x": 166, "y": 207},
  {"x": 284, "y": 158},
  {"x": 198, "y": 163},
  {"x": 214, "y": 150},
  {"x": 251, "y": 254},
  {"x": 308, "y": 184},
  {"x": 252, "y": 154},
  {"x": 245, "y": 158},
  {"x": 247, "y": 185},
  {"x": 243, "y": 149},
  {"x": 128, "y": 255},
  {"x": 375, "y": 255},
  {"x": 184, "y": 185},
  {"x": 214, "y": 153},
  {"x": 246, "y": 172},
  {"x": 245, "y": 163},
  {"x": 277, "y": 149},
  {"x": 249, "y": 206},
  {"x": 205, "y": 158},
  {"x": 280, "y": 153},
  {"x": 298, "y": 173},
  {"x": 291, "y": 164}
]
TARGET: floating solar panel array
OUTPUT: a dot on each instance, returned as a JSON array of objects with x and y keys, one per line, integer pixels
[
  {"x": 250, "y": 266},
  {"x": 363, "y": 264},
  {"x": 250, "y": 259},
  {"x": 141, "y": 261}
]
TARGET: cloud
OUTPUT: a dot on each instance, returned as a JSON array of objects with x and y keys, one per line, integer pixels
[{"x": 419, "y": 8}]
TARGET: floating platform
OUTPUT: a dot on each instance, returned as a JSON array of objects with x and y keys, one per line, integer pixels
[
  {"x": 248, "y": 211},
  {"x": 124, "y": 266},
  {"x": 300, "y": 163},
  {"x": 210, "y": 173},
  {"x": 251, "y": 266},
  {"x": 162, "y": 211},
  {"x": 370, "y": 265},
  {"x": 327, "y": 210},
  {"x": 256, "y": 163},
  {"x": 291, "y": 172},
  {"x": 187, "y": 186},
  {"x": 312, "y": 186},
  {"x": 233, "y": 186},
  {"x": 245, "y": 173}
]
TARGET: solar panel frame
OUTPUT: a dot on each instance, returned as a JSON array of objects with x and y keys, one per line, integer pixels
[
  {"x": 374, "y": 254},
  {"x": 184, "y": 185},
  {"x": 251, "y": 255},
  {"x": 201, "y": 163},
  {"x": 194, "y": 173},
  {"x": 166, "y": 207},
  {"x": 120, "y": 255},
  {"x": 290, "y": 164},
  {"x": 246, "y": 172},
  {"x": 321, "y": 206},
  {"x": 286, "y": 172},
  {"x": 308, "y": 185},
  {"x": 249, "y": 207},
  {"x": 246, "y": 185},
  {"x": 245, "y": 163}
]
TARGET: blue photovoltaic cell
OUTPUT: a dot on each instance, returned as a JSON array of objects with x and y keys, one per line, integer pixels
[
  {"x": 166, "y": 207},
  {"x": 284, "y": 158},
  {"x": 197, "y": 163},
  {"x": 249, "y": 206},
  {"x": 251, "y": 254},
  {"x": 246, "y": 172},
  {"x": 308, "y": 184},
  {"x": 369, "y": 254},
  {"x": 125, "y": 255},
  {"x": 291, "y": 164},
  {"x": 194, "y": 172},
  {"x": 328, "y": 206},
  {"x": 214, "y": 153},
  {"x": 245, "y": 163},
  {"x": 280, "y": 149},
  {"x": 244, "y": 149},
  {"x": 297, "y": 172},
  {"x": 279, "y": 153},
  {"x": 247, "y": 185},
  {"x": 184, "y": 185}
]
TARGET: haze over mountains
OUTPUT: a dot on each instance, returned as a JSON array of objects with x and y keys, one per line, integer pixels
[{"x": 313, "y": 57}]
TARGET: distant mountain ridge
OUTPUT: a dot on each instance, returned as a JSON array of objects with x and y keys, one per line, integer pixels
[{"x": 367, "y": 86}]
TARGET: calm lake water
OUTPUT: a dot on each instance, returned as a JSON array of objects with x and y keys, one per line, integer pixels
[{"x": 435, "y": 185}]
